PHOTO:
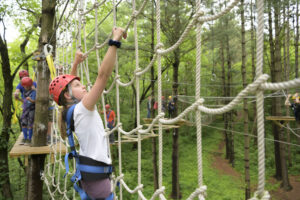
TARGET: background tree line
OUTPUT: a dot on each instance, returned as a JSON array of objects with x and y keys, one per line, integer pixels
[{"x": 228, "y": 65}]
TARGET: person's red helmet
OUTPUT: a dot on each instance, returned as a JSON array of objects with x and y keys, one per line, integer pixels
[
  {"x": 107, "y": 106},
  {"x": 23, "y": 73},
  {"x": 58, "y": 84},
  {"x": 26, "y": 81}
]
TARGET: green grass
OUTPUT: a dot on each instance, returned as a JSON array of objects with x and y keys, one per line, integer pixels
[{"x": 219, "y": 186}]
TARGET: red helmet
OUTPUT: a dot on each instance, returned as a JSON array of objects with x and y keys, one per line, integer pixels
[
  {"x": 58, "y": 84},
  {"x": 26, "y": 81},
  {"x": 107, "y": 106},
  {"x": 23, "y": 73}
]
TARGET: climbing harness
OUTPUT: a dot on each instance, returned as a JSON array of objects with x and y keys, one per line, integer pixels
[{"x": 86, "y": 168}]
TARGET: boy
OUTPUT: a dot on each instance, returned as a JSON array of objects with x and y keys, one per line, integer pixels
[
  {"x": 27, "y": 118},
  {"x": 67, "y": 90}
]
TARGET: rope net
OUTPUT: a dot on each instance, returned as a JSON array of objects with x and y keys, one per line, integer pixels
[{"x": 72, "y": 35}]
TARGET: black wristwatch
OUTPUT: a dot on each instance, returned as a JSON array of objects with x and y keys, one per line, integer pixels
[{"x": 114, "y": 43}]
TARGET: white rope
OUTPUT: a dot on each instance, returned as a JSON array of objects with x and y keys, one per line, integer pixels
[
  {"x": 220, "y": 14},
  {"x": 159, "y": 88},
  {"x": 201, "y": 195},
  {"x": 51, "y": 177},
  {"x": 260, "y": 102}
]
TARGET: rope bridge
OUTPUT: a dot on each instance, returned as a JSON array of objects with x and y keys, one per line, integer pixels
[{"x": 54, "y": 169}]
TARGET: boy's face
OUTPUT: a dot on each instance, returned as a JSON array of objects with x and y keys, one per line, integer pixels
[{"x": 78, "y": 89}]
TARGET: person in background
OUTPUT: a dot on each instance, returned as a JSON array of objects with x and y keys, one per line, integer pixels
[
  {"x": 171, "y": 107},
  {"x": 295, "y": 105},
  {"x": 20, "y": 89},
  {"x": 110, "y": 118},
  {"x": 149, "y": 107},
  {"x": 27, "y": 118}
]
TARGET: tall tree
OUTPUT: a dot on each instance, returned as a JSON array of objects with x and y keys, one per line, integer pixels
[
  {"x": 277, "y": 78},
  {"x": 7, "y": 115},
  {"x": 245, "y": 105},
  {"x": 296, "y": 44},
  {"x": 272, "y": 67},
  {"x": 175, "y": 18},
  {"x": 253, "y": 42},
  {"x": 35, "y": 185},
  {"x": 154, "y": 139},
  {"x": 6, "y": 111},
  {"x": 286, "y": 56}
]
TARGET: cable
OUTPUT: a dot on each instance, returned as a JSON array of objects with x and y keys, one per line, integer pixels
[{"x": 241, "y": 133}]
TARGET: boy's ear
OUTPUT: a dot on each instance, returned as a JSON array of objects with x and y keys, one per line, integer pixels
[{"x": 66, "y": 95}]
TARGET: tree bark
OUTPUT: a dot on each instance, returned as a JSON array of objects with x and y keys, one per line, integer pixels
[
  {"x": 154, "y": 139},
  {"x": 230, "y": 113},
  {"x": 277, "y": 78},
  {"x": 274, "y": 100},
  {"x": 225, "y": 118},
  {"x": 287, "y": 72},
  {"x": 253, "y": 42},
  {"x": 24, "y": 43},
  {"x": 245, "y": 107},
  {"x": 176, "y": 194},
  {"x": 297, "y": 40},
  {"x": 36, "y": 162},
  {"x": 6, "y": 120}
]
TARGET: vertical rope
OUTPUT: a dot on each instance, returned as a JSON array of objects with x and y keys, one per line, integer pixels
[
  {"x": 202, "y": 194},
  {"x": 260, "y": 100},
  {"x": 118, "y": 106},
  {"x": 159, "y": 88},
  {"x": 137, "y": 94},
  {"x": 197, "y": 96}
]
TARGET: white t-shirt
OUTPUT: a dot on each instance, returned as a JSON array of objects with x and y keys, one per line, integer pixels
[{"x": 91, "y": 135}]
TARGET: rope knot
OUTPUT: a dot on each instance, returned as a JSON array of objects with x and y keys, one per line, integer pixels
[
  {"x": 137, "y": 71},
  {"x": 258, "y": 196},
  {"x": 117, "y": 77},
  {"x": 134, "y": 14},
  {"x": 96, "y": 5},
  {"x": 158, "y": 46},
  {"x": 89, "y": 84},
  {"x": 198, "y": 16},
  {"x": 81, "y": 11},
  {"x": 97, "y": 45},
  {"x": 200, "y": 101}
]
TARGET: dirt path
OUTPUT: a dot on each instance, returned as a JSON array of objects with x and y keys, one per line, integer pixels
[
  {"x": 222, "y": 164},
  {"x": 224, "y": 167},
  {"x": 294, "y": 194}
]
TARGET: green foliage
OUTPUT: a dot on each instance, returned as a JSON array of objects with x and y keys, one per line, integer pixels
[{"x": 220, "y": 185}]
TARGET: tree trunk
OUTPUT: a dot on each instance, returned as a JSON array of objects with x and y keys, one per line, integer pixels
[
  {"x": 245, "y": 106},
  {"x": 278, "y": 70},
  {"x": 6, "y": 120},
  {"x": 225, "y": 119},
  {"x": 24, "y": 43},
  {"x": 176, "y": 194},
  {"x": 274, "y": 100},
  {"x": 287, "y": 72},
  {"x": 230, "y": 113},
  {"x": 36, "y": 163},
  {"x": 154, "y": 139},
  {"x": 253, "y": 42},
  {"x": 297, "y": 40}
]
